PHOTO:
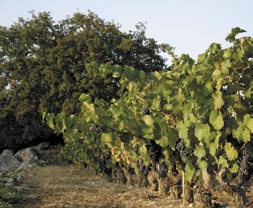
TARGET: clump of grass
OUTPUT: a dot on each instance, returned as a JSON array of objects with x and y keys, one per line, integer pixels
[
  {"x": 5, "y": 204},
  {"x": 8, "y": 196}
]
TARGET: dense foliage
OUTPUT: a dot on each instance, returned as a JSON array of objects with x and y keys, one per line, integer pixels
[
  {"x": 190, "y": 127},
  {"x": 43, "y": 68}
]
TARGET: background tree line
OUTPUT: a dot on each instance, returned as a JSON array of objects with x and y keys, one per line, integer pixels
[{"x": 43, "y": 68}]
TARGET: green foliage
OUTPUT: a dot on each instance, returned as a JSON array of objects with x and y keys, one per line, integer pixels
[
  {"x": 45, "y": 66},
  {"x": 8, "y": 196},
  {"x": 202, "y": 105}
]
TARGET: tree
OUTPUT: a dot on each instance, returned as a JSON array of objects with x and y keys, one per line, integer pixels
[{"x": 43, "y": 67}]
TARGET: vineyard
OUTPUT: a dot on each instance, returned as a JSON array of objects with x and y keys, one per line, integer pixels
[{"x": 185, "y": 132}]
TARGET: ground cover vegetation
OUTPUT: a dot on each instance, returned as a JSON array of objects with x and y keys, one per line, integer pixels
[{"x": 186, "y": 131}]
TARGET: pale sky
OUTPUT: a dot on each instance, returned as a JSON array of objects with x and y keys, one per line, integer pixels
[{"x": 188, "y": 25}]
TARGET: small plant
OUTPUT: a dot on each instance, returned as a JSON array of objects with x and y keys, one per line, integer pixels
[{"x": 8, "y": 196}]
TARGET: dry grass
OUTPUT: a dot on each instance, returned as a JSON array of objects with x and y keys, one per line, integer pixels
[
  {"x": 56, "y": 186},
  {"x": 59, "y": 185}
]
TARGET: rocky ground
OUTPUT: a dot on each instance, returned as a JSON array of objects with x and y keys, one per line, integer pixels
[{"x": 47, "y": 182}]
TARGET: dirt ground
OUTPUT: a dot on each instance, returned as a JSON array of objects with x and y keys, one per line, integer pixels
[
  {"x": 56, "y": 186},
  {"x": 61, "y": 185}
]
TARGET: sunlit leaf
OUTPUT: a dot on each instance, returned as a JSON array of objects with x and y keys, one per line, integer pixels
[
  {"x": 218, "y": 100},
  {"x": 199, "y": 151},
  {"x": 234, "y": 168},
  {"x": 216, "y": 120},
  {"x": 248, "y": 122},
  {"x": 106, "y": 137},
  {"x": 189, "y": 170},
  {"x": 148, "y": 120},
  {"x": 202, "y": 132},
  {"x": 230, "y": 151}
]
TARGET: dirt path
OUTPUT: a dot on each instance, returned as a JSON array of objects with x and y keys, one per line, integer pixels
[{"x": 56, "y": 186}]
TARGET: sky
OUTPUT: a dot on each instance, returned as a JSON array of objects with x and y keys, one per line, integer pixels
[{"x": 188, "y": 25}]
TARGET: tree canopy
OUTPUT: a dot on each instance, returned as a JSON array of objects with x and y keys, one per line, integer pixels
[{"x": 43, "y": 67}]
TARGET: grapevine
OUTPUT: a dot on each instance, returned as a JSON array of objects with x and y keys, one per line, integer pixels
[{"x": 171, "y": 122}]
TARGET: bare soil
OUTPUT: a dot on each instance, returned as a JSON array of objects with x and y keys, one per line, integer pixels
[
  {"x": 61, "y": 185},
  {"x": 58, "y": 184}
]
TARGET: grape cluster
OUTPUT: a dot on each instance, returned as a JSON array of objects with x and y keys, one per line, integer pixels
[
  {"x": 162, "y": 169},
  {"x": 244, "y": 166},
  {"x": 145, "y": 111},
  {"x": 182, "y": 149},
  {"x": 96, "y": 129}
]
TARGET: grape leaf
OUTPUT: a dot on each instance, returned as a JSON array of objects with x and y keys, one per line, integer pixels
[
  {"x": 223, "y": 162},
  {"x": 106, "y": 137},
  {"x": 235, "y": 31},
  {"x": 248, "y": 122},
  {"x": 199, "y": 151},
  {"x": 230, "y": 151},
  {"x": 216, "y": 120},
  {"x": 84, "y": 98},
  {"x": 148, "y": 120},
  {"x": 234, "y": 168},
  {"x": 189, "y": 170},
  {"x": 218, "y": 100},
  {"x": 202, "y": 132},
  {"x": 183, "y": 132}
]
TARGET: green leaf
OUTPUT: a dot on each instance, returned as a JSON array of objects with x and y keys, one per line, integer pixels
[
  {"x": 223, "y": 162},
  {"x": 156, "y": 103},
  {"x": 218, "y": 100},
  {"x": 106, "y": 137},
  {"x": 242, "y": 134},
  {"x": 116, "y": 74},
  {"x": 84, "y": 98},
  {"x": 202, "y": 164},
  {"x": 216, "y": 120},
  {"x": 50, "y": 123},
  {"x": 169, "y": 140},
  {"x": 199, "y": 152},
  {"x": 225, "y": 66},
  {"x": 230, "y": 151},
  {"x": 172, "y": 138},
  {"x": 216, "y": 74},
  {"x": 227, "y": 53},
  {"x": 193, "y": 118},
  {"x": 126, "y": 138},
  {"x": 180, "y": 95},
  {"x": 213, "y": 149},
  {"x": 132, "y": 87},
  {"x": 234, "y": 168},
  {"x": 248, "y": 122},
  {"x": 163, "y": 142},
  {"x": 189, "y": 170},
  {"x": 182, "y": 130},
  {"x": 44, "y": 115},
  {"x": 148, "y": 132},
  {"x": 148, "y": 120},
  {"x": 235, "y": 31},
  {"x": 50, "y": 120},
  {"x": 202, "y": 132},
  {"x": 214, "y": 48}
]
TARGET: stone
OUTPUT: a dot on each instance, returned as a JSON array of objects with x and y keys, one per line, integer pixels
[
  {"x": 42, "y": 146},
  {"x": 29, "y": 154},
  {"x": 8, "y": 160},
  {"x": 26, "y": 165}
]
